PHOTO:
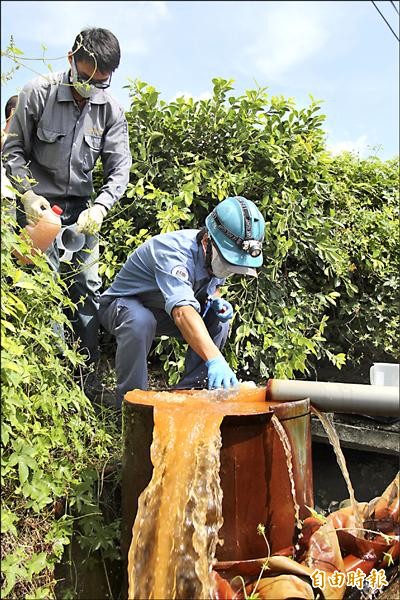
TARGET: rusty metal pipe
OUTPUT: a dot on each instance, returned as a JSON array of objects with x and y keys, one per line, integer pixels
[{"x": 374, "y": 400}]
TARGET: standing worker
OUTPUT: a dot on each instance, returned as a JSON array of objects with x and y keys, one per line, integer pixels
[
  {"x": 170, "y": 286},
  {"x": 63, "y": 123}
]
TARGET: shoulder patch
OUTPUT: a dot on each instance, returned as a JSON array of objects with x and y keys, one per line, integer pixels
[{"x": 181, "y": 272}]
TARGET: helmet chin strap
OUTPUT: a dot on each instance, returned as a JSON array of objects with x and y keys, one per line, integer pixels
[
  {"x": 208, "y": 254},
  {"x": 207, "y": 247}
]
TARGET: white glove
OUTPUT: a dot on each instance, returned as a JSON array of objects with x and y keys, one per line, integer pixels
[
  {"x": 91, "y": 219},
  {"x": 34, "y": 206}
]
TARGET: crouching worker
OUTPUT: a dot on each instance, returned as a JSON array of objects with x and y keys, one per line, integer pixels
[{"x": 170, "y": 286}]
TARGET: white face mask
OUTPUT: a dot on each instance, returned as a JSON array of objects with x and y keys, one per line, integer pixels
[
  {"x": 219, "y": 267},
  {"x": 86, "y": 90}
]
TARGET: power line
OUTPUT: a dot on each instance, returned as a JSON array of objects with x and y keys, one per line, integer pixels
[
  {"x": 388, "y": 24},
  {"x": 394, "y": 6}
]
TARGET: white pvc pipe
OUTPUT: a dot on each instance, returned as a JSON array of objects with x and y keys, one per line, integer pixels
[{"x": 338, "y": 397}]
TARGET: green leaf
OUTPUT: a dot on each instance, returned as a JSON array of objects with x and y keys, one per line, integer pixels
[
  {"x": 317, "y": 515},
  {"x": 23, "y": 470},
  {"x": 16, "y": 51},
  {"x": 37, "y": 563}
]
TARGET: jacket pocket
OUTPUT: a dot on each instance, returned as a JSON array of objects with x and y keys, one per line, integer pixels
[
  {"x": 46, "y": 150},
  {"x": 48, "y": 136},
  {"x": 92, "y": 148},
  {"x": 93, "y": 141}
]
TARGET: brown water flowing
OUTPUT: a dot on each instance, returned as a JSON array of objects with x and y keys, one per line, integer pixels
[
  {"x": 201, "y": 468},
  {"x": 174, "y": 537},
  {"x": 175, "y": 533},
  {"x": 327, "y": 424},
  {"x": 289, "y": 462}
]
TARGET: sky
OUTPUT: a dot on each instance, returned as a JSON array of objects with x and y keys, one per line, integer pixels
[{"x": 340, "y": 52}]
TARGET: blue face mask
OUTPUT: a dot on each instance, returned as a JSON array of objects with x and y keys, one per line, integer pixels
[{"x": 84, "y": 89}]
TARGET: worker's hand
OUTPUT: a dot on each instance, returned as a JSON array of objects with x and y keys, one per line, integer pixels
[
  {"x": 222, "y": 308},
  {"x": 91, "y": 219},
  {"x": 34, "y": 206},
  {"x": 220, "y": 374}
]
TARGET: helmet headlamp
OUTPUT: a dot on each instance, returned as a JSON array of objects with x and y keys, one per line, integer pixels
[{"x": 252, "y": 247}]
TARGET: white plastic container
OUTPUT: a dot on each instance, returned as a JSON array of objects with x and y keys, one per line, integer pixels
[{"x": 384, "y": 374}]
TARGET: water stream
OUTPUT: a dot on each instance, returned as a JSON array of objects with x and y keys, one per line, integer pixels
[
  {"x": 176, "y": 530},
  {"x": 175, "y": 534},
  {"x": 326, "y": 420},
  {"x": 289, "y": 462}
]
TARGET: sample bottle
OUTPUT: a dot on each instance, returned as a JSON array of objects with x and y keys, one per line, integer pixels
[{"x": 43, "y": 233}]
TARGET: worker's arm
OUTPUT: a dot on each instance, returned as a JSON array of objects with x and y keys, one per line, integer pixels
[
  {"x": 117, "y": 160},
  {"x": 194, "y": 332}
]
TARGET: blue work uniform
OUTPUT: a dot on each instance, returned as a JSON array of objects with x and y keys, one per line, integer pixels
[
  {"x": 166, "y": 271},
  {"x": 56, "y": 144}
]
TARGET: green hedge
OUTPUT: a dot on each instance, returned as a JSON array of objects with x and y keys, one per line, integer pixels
[
  {"x": 54, "y": 447},
  {"x": 329, "y": 285}
]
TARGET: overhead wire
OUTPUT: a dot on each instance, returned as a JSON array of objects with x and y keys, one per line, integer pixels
[
  {"x": 387, "y": 23},
  {"x": 394, "y": 6}
]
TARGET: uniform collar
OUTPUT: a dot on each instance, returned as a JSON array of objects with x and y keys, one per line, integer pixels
[{"x": 64, "y": 93}]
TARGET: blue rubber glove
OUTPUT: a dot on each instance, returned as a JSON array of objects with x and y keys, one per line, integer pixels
[
  {"x": 222, "y": 308},
  {"x": 220, "y": 374}
]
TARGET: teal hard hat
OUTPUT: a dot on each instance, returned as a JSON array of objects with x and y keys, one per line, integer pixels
[{"x": 237, "y": 227}]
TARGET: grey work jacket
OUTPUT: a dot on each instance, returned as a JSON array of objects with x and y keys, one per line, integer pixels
[{"x": 54, "y": 143}]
